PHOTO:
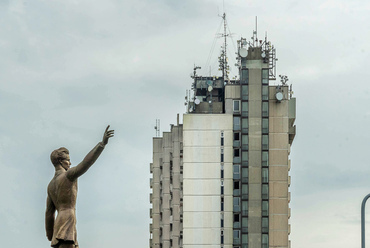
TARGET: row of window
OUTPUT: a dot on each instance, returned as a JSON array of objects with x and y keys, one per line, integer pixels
[
  {"x": 244, "y": 76},
  {"x": 244, "y": 175},
  {"x": 244, "y": 97},
  {"x": 241, "y": 124},
  {"x": 243, "y": 239}
]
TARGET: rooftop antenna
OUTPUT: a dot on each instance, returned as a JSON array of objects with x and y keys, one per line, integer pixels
[
  {"x": 256, "y": 31},
  {"x": 157, "y": 128},
  {"x": 223, "y": 58}
]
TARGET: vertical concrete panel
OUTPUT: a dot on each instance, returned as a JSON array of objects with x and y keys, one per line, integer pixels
[{"x": 255, "y": 141}]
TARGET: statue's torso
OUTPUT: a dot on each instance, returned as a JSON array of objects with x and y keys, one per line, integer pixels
[{"x": 63, "y": 193}]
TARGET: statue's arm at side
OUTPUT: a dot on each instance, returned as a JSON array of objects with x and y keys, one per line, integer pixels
[
  {"x": 49, "y": 218},
  {"x": 89, "y": 160}
]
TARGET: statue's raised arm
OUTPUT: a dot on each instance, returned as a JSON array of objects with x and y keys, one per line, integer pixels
[{"x": 91, "y": 157}]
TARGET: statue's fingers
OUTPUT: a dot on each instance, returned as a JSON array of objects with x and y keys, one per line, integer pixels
[{"x": 107, "y": 128}]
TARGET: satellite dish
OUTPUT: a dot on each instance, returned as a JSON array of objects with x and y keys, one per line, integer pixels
[
  {"x": 243, "y": 52},
  {"x": 279, "y": 96},
  {"x": 263, "y": 54},
  {"x": 197, "y": 101},
  {"x": 210, "y": 88}
]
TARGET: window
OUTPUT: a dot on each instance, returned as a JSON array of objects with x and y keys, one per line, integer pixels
[
  {"x": 265, "y": 175},
  {"x": 236, "y": 156},
  {"x": 222, "y": 155},
  {"x": 265, "y": 142},
  {"x": 245, "y": 109},
  {"x": 236, "y": 106},
  {"x": 222, "y": 204},
  {"x": 222, "y": 173},
  {"x": 265, "y": 191},
  {"x": 236, "y": 185},
  {"x": 265, "y": 76},
  {"x": 236, "y": 223},
  {"x": 244, "y": 76},
  {"x": 222, "y": 189},
  {"x": 236, "y": 235},
  {"x": 245, "y": 125},
  {"x": 236, "y": 140},
  {"x": 236, "y": 188},
  {"x": 245, "y": 240},
  {"x": 244, "y": 92},
  {"x": 265, "y": 109},
  {"x": 236, "y": 171},
  {"x": 245, "y": 191},
  {"x": 222, "y": 222},
  {"x": 236, "y": 218},
  {"x": 265, "y": 240},
  {"x": 265, "y": 224},
  {"x": 265, "y": 125},
  {"x": 244, "y": 158},
  {"x": 236, "y": 153},
  {"x": 236, "y": 204},
  {"x": 244, "y": 225},
  {"x": 265, "y": 158},
  {"x": 245, "y": 173},
  {"x": 265, "y": 92},
  {"x": 244, "y": 142},
  {"x": 245, "y": 208},
  {"x": 265, "y": 208},
  {"x": 236, "y": 123}
]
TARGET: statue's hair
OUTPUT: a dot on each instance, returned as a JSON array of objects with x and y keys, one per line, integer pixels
[{"x": 58, "y": 154}]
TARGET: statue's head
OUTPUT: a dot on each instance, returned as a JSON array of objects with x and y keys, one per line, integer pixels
[{"x": 58, "y": 155}]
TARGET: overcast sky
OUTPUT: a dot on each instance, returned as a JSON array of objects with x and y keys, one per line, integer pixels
[{"x": 68, "y": 68}]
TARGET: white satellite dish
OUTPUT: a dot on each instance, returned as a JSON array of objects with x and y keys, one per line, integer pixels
[
  {"x": 243, "y": 52},
  {"x": 263, "y": 54},
  {"x": 197, "y": 101},
  {"x": 279, "y": 96},
  {"x": 210, "y": 88}
]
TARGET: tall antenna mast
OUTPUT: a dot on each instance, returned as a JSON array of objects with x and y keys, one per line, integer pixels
[{"x": 223, "y": 58}]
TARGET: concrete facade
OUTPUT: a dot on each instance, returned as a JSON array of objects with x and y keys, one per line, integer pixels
[
  {"x": 206, "y": 190},
  {"x": 166, "y": 183}
]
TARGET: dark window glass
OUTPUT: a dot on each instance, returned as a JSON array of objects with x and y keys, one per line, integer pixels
[{"x": 236, "y": 107}]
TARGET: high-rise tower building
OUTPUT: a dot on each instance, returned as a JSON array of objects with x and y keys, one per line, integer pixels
[{"x": 221, "y": 179}]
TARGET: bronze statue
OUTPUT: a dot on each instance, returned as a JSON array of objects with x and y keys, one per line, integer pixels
[{"x": 62, "y": 194}]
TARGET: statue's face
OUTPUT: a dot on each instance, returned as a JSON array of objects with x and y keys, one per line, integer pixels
[{"x": 66, "y": 163}]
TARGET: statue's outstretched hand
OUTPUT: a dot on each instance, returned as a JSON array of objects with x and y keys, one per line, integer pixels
[{"x": 107, "y": 134}]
